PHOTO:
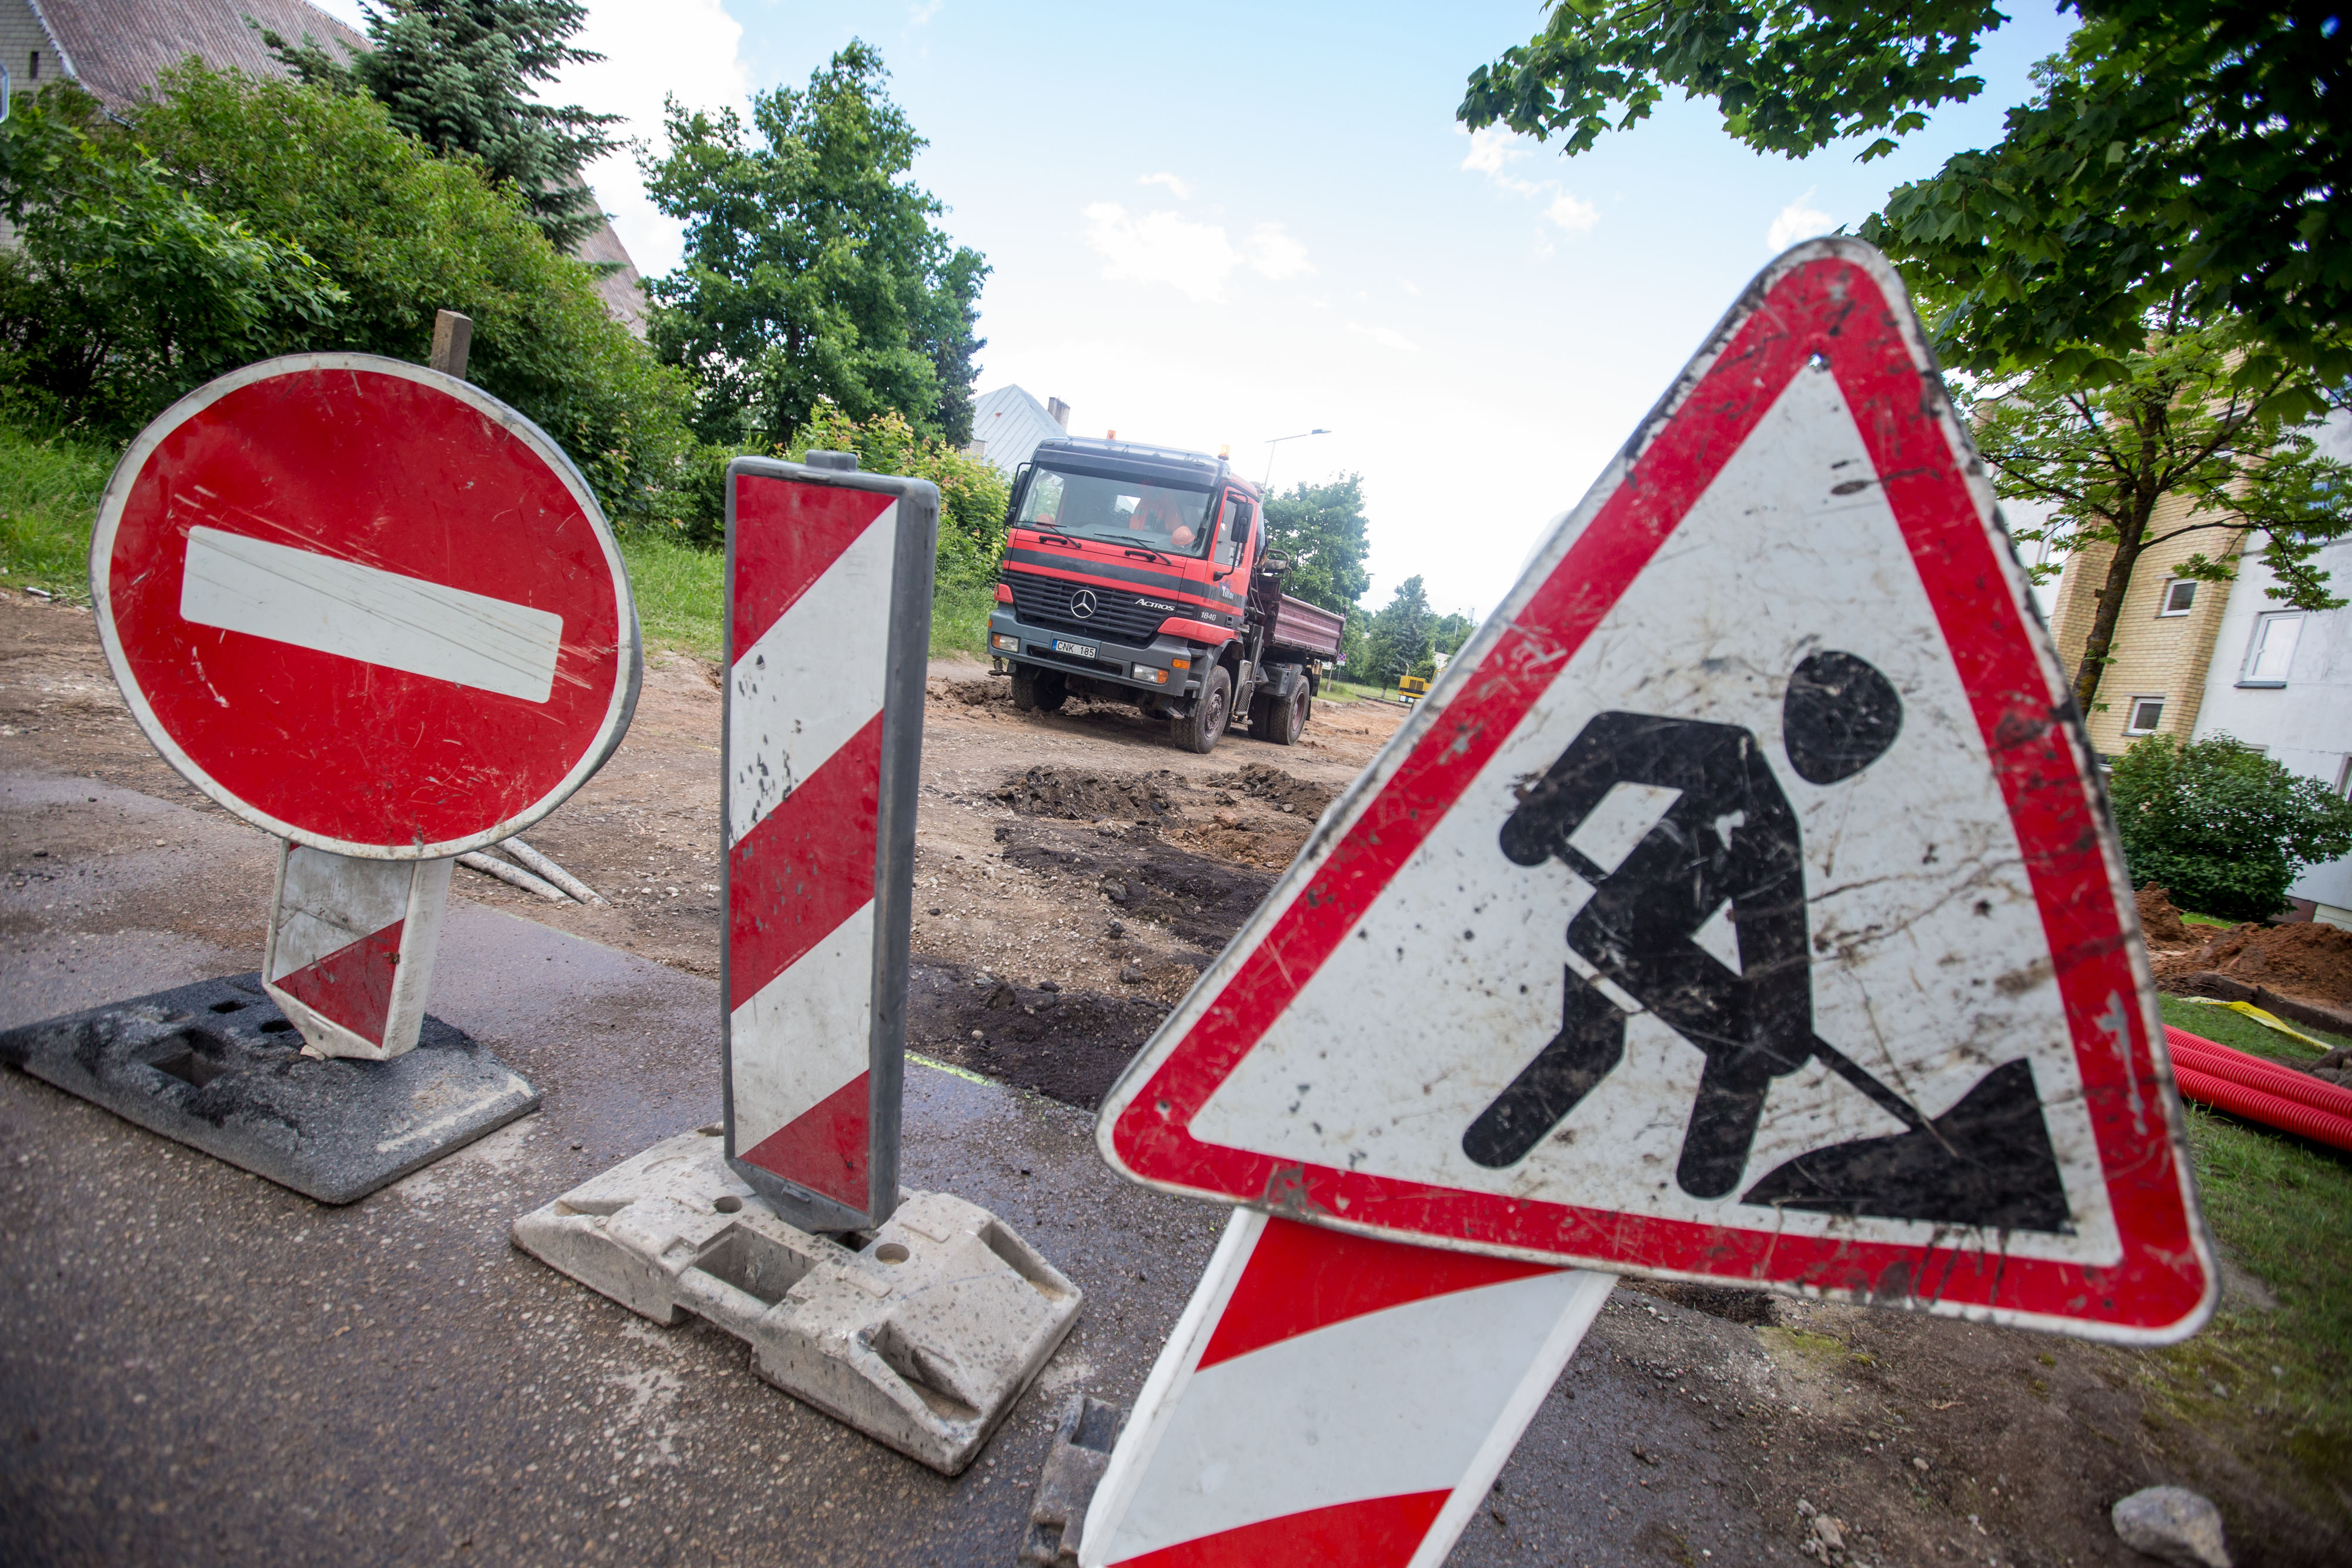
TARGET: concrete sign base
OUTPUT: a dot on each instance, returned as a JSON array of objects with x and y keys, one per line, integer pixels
[
  {"x": 921, "y": 1338},
  {"x": 217, "y": 1066}
]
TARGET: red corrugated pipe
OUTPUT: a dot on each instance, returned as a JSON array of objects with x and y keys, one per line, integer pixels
[{"x": 2260, "y": 1090}]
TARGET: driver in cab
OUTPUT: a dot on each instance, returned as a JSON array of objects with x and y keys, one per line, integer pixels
[{"x": 1159, "y": 515}]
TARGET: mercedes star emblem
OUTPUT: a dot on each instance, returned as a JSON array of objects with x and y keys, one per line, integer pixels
[{"x": 1081, "y": 603}]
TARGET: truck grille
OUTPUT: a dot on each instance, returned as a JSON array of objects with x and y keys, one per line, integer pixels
[{"x": 1046, "y": 601}]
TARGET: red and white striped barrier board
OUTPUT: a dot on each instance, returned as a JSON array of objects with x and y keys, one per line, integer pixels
[
  {"x": 350, "y": 950},
  {"x": 1333, "y": 1399},
  {"x": 1738, "y": 906},
  {"x": 374, "y": 612},
  {"x": 828, "y": 626}
]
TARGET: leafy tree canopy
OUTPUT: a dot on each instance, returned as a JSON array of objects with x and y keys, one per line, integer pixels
[
  {"x": 1397, "y": 639},
  {"x": 973, "y": 494},
  {"x": 2175, "y": 151},
  {"x": 459, "y": 75},
  {"x": 813, "y": 269},
  {"x": 359, "y": 233},
  {"x": 2224, "y": 828},
  {"x": 2179, "y": 422},
  {"x": 1322, "y": 528}
]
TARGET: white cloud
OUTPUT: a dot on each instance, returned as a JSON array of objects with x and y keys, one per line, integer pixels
[
  {"x": 919, "y": 14},
  {"x": 1275, "y": 255},
  {"x": 1387, "y": 338},
  {"x": 1177, "y": 184},
  {"x": 1575, "y": 216},
  {"x": 1797, "y": 220},
  {"x": 689, "y": 47},
  {"x": 1491, "y": 148},
  {"x": 1192, "y": 259}
]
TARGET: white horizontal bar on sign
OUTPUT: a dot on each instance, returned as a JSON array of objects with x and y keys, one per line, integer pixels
[{"x": 333, "y": 606}]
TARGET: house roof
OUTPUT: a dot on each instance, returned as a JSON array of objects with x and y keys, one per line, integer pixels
[
  {"x": 117, "y": 49},
  {"x": 1009, "y": 422}
]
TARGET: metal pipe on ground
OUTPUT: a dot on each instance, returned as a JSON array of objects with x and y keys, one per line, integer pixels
[
  {"x": 551, "y": 871},
  {"x": 514, "y": 876}
]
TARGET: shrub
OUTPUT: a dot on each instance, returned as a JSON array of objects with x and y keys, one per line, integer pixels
[
  {"x": 972, "y": 493},
  {"x": 2221, "y": 825}
]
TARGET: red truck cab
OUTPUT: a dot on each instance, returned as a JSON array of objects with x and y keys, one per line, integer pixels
[{"x": 1138, "y": 573}]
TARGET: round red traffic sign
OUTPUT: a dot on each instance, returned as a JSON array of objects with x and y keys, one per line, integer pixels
[{"x": 365, "y": 606}]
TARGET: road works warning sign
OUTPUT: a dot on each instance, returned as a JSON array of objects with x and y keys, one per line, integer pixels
[{"x": 1740, "y": 905}]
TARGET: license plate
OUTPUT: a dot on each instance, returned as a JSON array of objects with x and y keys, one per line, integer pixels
[{"x": 1082, "y": 650}]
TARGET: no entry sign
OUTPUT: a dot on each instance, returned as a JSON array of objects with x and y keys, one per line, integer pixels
[
  {"x": 365, "y": 606},
  {"x": 1741, "y": 906}
]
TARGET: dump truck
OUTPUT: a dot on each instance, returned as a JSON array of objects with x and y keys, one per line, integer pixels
[{"x": 1138, "y": 573}]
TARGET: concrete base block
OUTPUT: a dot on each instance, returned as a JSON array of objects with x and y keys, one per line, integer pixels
[
  {"x": 921, "y": 1338},
  {"x": 217, "y": 1066}
]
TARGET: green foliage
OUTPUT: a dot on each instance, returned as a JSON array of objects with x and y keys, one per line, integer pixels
[
  {"x": 2181, "y": 419},
  {"x": 813, "y": 271},
  {"x": 2174, "y": 152},
  {"x": 1447, "y": 634},
  {"x": 960, "y": 613},
  {"x": 1398, "y": 641},
  {"x": 973, "y": 495},
  {"x": 126, "y": 290},
  {"x": 397, "y": 232},
  {"x": 457, "y": 75},
  {"x": 2221, "y": 827},
  {"x": 1322, "y": 528},
  {"x": 49, "y": 500},
  {"x": 681, "y": 591}
]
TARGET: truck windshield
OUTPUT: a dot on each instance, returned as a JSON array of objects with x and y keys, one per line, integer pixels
[{"x": 1123, "y": 511}]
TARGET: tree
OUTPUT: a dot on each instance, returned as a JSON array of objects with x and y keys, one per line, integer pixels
[
  {"x": 400, "y": 233},
  {"x": 1322, "y": 528},
  {"x": 813, "y": 271},
  {"x": 1397, "y": 639},
  {"x": 2179, "y": 422},
  {"x": 973, "y": 494},
  {"x": 2176, "y": 153},
  {"x": 457, "y": 75},
  {"x": 2221, "y": 827},
  {"x": 123, "y": 291}
]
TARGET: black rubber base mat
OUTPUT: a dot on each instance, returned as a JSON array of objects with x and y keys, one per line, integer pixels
[{"x": 217, "y": 1066}]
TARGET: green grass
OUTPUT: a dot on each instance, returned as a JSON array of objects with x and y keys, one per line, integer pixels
[
  {"x": 960, "y": 613},
  {"x": 2281, "y": 1207},
  {"x": 680, "y": 592},
  {"x": 48, "y": 499},
  {"x": 2188, "y": 919}
]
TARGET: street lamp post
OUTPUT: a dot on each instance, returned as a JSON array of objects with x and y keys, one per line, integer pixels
[{"x": 1276, "y": 443}]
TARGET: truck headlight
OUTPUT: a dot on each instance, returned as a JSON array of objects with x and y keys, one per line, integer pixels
[
  {"x": 1004, "y": 643},
  {"x": 1147, "y": 673}
]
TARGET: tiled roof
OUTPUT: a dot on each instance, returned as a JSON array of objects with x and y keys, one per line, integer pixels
[{"x": 118, "y": 47}]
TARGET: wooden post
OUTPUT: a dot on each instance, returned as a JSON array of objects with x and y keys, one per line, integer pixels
[{"x": 453, "y": 334}]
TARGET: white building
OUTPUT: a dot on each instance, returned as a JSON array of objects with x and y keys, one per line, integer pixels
[
  {"x": 2282, "y": 679},
  {"x": 1008, "y": 423}
]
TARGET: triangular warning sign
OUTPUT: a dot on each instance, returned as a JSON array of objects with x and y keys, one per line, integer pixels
[{"x": 1740, "y": 905}]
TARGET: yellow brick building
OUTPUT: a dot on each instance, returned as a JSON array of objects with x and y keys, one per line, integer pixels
[{"x": 2155, "y": 679}]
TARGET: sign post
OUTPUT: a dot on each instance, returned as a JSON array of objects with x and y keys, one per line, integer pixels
[
  {"x": 374, "y": 612},
  {"x": 917, "y": 1317},
  {"x": 1740, "y": 905}
]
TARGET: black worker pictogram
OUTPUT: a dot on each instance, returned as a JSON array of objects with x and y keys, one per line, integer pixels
[{"x": 1730, "y": 837}]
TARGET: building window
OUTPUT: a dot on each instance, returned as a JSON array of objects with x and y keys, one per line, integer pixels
[
  {"x": 2179, "y": 596},
  {"x": 2344, "y": 779},
  {"x": 2142, "y": 715},
  {"x": 35, "y": 73},
  {"x": 2271, "y": 652}
]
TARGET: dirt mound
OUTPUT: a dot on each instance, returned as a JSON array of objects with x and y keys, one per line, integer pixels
[
  {"x": 1084, "y": 797},
  {"x": 1069, "y": 1046},
  {"x": 2311, "y": 960},
  {"x": 972, "y": 693},
  {"x": 1202, "y": 900},
  {"x": 2160, "y": 922},
  {"x": 1273, "y": 784}
]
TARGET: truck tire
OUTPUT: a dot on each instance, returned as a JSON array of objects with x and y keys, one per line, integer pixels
[
  {"x": 1283, "y": 719},
  {"x": 1198, "y": 731},
  {"x": 1038, "y": 690}
]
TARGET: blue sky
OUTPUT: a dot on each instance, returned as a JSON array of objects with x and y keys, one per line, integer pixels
[{"x": 1220, "y": 224}]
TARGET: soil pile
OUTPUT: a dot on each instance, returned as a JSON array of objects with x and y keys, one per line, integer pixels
[
  {"x": 2310, "y": 959},
  {"x": 1272, "y": 784},
  {"x": 1133, "y": 872},
  {"x": 1076, "y": 795},
  {"x": 1069, "y": 1046},
  {"x": 2160, "y": 922},
  {"x": 972, "y": 693}
]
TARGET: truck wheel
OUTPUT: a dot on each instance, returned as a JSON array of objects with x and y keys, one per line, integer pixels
[
  {"x": 1024, "y": 688},
  {"x": 1052, "y": 691},
  {"x": 1198, "y": 731},
  {"x": 1286, "y": 719},
  {"x": 1034, "y": 690}
]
